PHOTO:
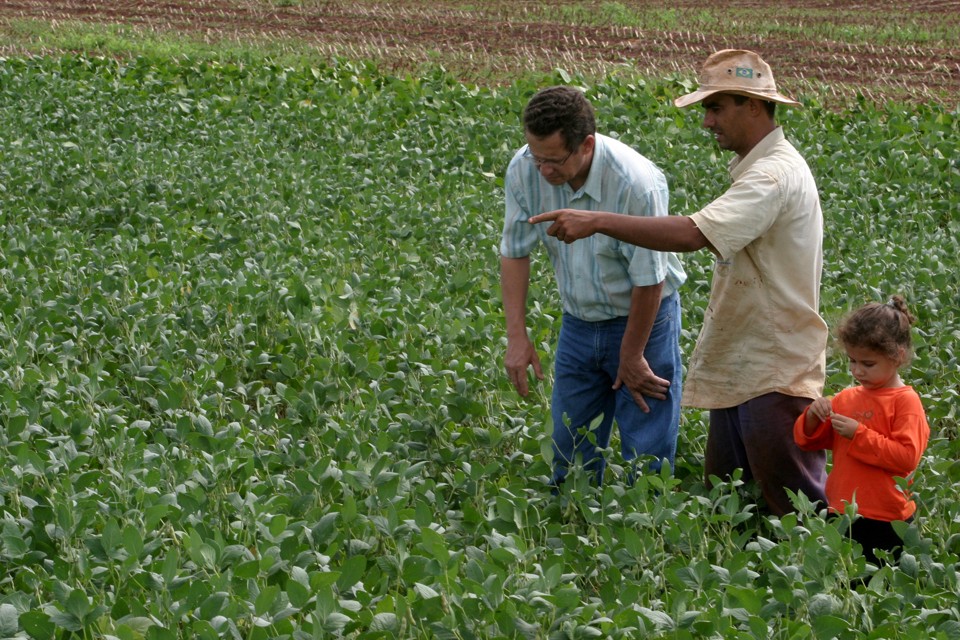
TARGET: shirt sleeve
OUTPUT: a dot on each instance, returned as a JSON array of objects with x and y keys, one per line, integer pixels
[
  {"x": 821, "y": 438},
  {"x": 900, "y": 452},
  {"x": 742, "y": 214},
  {"x": 519, "y": 237},
  {"x": 646, "y": 267}
]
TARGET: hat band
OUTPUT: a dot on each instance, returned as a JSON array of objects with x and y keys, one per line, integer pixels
[{"x": 728, "y": 87}]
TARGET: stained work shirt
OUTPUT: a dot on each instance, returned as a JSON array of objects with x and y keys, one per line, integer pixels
[
  {"x": 596, "y": 275},
  {"x": 762, "y": 331}
]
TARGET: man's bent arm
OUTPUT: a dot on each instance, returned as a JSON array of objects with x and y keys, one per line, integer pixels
[
  {"x": 644, "y": 305},
  {"x": 634, "y": 370}
]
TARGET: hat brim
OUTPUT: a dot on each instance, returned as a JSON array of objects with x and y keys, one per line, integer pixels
[{"x": 702, "y": 94}]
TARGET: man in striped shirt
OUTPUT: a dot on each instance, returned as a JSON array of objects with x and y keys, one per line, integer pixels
[
  {"x": 760, "y": 356},
  {"x": 618, "y": 355}
]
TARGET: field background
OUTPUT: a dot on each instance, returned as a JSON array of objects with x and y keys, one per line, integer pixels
[
  {"x": 251, "y": 340},
  {"x": 879, "y": 49}
]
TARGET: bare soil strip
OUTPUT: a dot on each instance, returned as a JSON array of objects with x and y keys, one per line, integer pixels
[{"x": 502, "y": 38}]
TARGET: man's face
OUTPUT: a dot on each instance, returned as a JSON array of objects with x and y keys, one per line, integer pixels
[
  {"x": 556, "y": 163},
  {"x": 728, "y": 122}
]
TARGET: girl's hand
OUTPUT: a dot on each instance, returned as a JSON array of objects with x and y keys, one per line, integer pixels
[
  {"x": 844, "y": 425},
  {"x": 821, "y": 409}
]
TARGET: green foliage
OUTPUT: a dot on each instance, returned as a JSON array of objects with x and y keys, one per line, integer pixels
[{"x": 251, "y": 370}]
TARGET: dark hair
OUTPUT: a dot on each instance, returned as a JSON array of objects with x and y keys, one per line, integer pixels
[
  {"x": 880, "y": 327},
  {"x": 562, "y": 109},
  {"x": 770, "y": 105}
]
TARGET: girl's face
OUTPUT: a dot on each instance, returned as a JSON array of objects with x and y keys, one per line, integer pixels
[{"x": 874, "y": 370}]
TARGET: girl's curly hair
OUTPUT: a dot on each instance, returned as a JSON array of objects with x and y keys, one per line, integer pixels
[{"x": 880, "y": 327}]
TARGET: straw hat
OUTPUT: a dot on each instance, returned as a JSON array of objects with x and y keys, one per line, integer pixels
[{"x": 735, "y": 71}]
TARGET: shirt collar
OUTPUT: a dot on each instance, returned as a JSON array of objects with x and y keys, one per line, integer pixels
[
  {"x": 593, "y": 187},
  {"x": 762, "y": 148}
]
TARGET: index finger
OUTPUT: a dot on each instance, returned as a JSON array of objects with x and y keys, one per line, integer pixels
[
  {"x": 519, "y": 381},
  {"x": 543, "y": 217},
  {"x": 638, "y": 398}
]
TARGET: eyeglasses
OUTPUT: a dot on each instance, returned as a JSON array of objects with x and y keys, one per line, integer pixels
[{"x": 539, "y": 162}]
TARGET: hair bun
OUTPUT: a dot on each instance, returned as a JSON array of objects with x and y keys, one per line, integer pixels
[{"x": 898, "y": 303}]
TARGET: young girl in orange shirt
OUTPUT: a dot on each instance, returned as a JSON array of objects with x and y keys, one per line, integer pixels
[{"x": 876, "y": 430}]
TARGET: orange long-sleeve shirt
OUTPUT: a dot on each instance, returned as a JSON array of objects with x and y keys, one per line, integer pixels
[{"x": 891, "y": 437}]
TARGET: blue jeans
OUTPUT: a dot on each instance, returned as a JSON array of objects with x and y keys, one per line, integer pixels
[{"x": 587, "y": 360}]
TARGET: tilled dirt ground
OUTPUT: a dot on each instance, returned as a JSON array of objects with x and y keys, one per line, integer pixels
[{"x": 505, "y": 36}]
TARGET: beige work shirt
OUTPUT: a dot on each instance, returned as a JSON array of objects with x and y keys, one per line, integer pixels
[{"x": 762, "y": 331}]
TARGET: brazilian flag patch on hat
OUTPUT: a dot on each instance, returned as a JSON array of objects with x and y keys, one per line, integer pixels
[{"x": 744, "y": 72}]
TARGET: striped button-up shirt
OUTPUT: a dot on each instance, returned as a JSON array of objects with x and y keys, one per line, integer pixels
[{"x": 596, "y": 275}]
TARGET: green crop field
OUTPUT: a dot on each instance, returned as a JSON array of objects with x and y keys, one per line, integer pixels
[{"x": 251, "y": 379}]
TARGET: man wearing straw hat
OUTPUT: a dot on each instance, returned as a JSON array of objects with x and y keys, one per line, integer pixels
[{"x": 760, "y": 355}]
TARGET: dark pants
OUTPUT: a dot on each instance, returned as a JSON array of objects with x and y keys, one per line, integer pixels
[
  {"x": 757, "y": 436},
  {"x": 875, "y": 535}
]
